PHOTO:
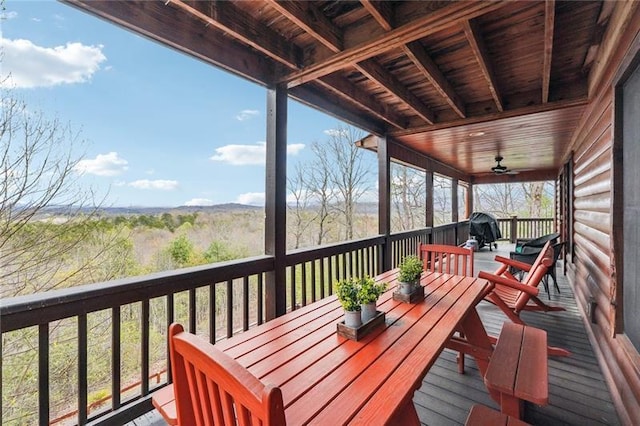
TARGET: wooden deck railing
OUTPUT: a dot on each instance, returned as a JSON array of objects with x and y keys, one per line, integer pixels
[
  {"x": 215, "y": 301},
  {"x": 517, "y": 227}
]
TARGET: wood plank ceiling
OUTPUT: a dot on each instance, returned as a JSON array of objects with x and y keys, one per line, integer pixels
[{"x": 458, "y": 81}]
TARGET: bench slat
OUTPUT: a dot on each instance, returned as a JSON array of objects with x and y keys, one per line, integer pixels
[
  {"x": 481, "y": 415},
  {"x": 532, "y": 383},
  {"x": 502, "y": 372}
]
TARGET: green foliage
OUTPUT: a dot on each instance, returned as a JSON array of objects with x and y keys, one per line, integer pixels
[
  {"x": 219, "y": 252},
  {"x": 369, "y": 290},
  {"x": 181, "y": 250},
  {"x": 410, "y": 269},
  {"x": 347, "y": 293}
]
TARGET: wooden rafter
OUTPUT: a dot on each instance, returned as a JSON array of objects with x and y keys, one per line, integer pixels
[
  {"x": 420, "y": 27},
  {"x": 243, "y": 27},
  {"x": 350, "y": 93},
  {"x": 517, "y": 112},
  {"x": 330, "y": 35},
  {"x": 549, "y": 19},
  {"x": 311, "y": 20},
  {"x": 481, "y": 54},
  {"x": 381, "y": 11},
  {"x": 376, "y": 72},
  {"x": 200, "y": 41},
  {"x": 421, "y": 59}
]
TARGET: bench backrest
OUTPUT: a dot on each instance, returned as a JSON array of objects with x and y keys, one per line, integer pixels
[
  {"x": 212, "y": 388},
  {"x": 536, "y": 273},
  {"x": 447, "y": 259}
]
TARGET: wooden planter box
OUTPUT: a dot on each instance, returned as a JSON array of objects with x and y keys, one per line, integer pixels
[
  {"x": 359, "y": 332},
  {"x": 415, "y": 297}
]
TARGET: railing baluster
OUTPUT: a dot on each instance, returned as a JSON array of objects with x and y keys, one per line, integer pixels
[
  {"x": 192, "y": 310},
  {"x": 82, "y": 369},
  {"x": 303, "y": 283},
  {"x": 292, "y": 285},
  {"x": 144, "y": 379},
  {"x": 260, "y": 299},
  {"x": 171, "y": 314},
  {"x": 229, "y": 308},
  {"x": 43, "y": 374},
  {"x": 313, "y": 281},
  {"x": 330, "y": 273},
  {"x": 115, "y": 357},
  {"x": 245, "y": 305},
  {"x": 212, "y": 313},
  {"x": 323, "y": 279}
]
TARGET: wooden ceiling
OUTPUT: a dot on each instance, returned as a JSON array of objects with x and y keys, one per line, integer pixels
[{"x": 458, "y": 81}]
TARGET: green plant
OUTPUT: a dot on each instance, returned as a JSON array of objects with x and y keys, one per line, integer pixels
[
  {"x": 347, "y": 293},
  {"x": 369, "y": 290},
  {"x": 410, "y": 269}
]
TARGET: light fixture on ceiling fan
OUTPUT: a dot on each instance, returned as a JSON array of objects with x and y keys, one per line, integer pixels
[{"x": 499, "y": 169}]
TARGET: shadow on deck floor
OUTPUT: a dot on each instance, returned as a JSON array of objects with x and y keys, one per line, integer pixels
[{"x": 578, "y": 394}]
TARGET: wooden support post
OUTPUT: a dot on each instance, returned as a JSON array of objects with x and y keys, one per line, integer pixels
[
  {"x": 469, "y": 204},
  {"x": 429, "y": 199},
  {"x": 514, "y": 229},
  {"x": 384, "y": 204},
  {"x": 454, "y": 200},
  {"x": 275, "y": 201}
]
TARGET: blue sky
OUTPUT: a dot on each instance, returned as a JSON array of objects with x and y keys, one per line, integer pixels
[{"x": 161, "y": 128}]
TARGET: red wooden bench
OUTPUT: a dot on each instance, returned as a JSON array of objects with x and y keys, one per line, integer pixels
[
  {"x": 518, "y": 368},
  {"x": 165, "y": 402},
  {"x": 485, "y": 416}
]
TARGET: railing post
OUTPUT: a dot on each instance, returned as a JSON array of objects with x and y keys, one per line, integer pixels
[
  {"x": 514, "y": 228},
  {"x": 384, "y": 204}
]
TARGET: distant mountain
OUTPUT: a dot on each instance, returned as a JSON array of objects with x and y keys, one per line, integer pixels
[{"x": 133, "y": 210}]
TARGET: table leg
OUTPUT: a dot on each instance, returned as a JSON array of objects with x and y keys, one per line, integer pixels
[
  {"x": 405, "y": 415},
  {"x": 476, "y": 336}
]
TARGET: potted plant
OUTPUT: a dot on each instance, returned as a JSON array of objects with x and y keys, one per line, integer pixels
[
  {"x": 368, "y": 293},
  {"x": 347, "y": 293},
  {"x": 409, "y": 275}
]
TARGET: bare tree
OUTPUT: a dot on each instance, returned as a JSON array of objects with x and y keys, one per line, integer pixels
[
  {"x": 347, "y": 171},
  {"x": 299, "y": 208},
  {"x": 408, "y": 197},
  {"x": 37, "y": 167},
  {"x": 318, "y": 183}
]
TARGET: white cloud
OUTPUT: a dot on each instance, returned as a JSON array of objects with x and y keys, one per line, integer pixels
[
  {"x": 241, "y": 155},
  {"x": 36, "y": 66},
  {"x": 199, "y": 202},
  {"x": 252, "y": 198},
  {"x": 295, "y": 148},
  {"x": 163, "y": 185},
  {"x": 103, "y": 165},
  {"x": 8, "y": 15},
  {"x": 246, "y": 114},
  {"x": 336, "y": 132}
]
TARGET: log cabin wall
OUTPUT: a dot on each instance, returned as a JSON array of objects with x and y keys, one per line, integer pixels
[{"x": 590, "y": 269}]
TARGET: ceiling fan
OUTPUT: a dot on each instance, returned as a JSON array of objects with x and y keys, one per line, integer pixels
[{"x": 499, "y": 169}]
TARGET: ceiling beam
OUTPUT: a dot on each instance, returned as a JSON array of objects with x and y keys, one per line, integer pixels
[
  {"x": 472, "y": 32},
  {"x": 307, "y": 16},
  {"x": 528, "y": 176},
  {"x": 421, "y": 59},
  {"x": 376, "y": 72},
  {"x": 549, "y": 19},
  {"x": 243, "y": 27},
  {"x": 352, "y": 94},
  {"x": 381, "y": 11},
  {"x": 423, "y": 26},
  {"x": 532, "y": 109},
  {"x": 157, "y": 22}
]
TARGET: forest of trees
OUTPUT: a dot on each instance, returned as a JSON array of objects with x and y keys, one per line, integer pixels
[{"x": 332, "y": 201}]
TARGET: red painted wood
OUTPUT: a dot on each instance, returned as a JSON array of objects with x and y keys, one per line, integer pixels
[
  {"x": 518, "y": 369},
  {"x": 327, "y": 379},
  {"x": 481, "y": 415},
  {"x": 164, "y": 401}
]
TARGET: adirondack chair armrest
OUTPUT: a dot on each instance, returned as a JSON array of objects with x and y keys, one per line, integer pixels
[
  {"x": 514, "y": 263},
  {"x": 515, "y": 284}
]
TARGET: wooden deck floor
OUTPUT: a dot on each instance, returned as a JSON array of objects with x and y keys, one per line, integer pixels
[{"x": 578, "y": 394}]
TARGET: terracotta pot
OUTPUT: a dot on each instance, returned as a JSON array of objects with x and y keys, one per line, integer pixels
[
  {"x": 352, "y": 319},
  {"x": 368, "y": 311}
]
